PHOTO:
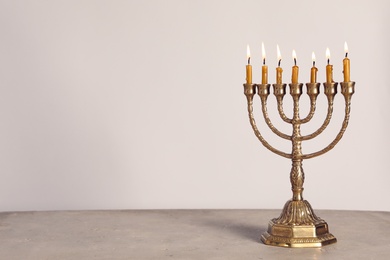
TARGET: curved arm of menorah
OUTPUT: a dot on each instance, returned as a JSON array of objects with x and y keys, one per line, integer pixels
[
  {"x": 313, "y": 89},
  {"x": 311, "y": 113},
  {"x": 347, "y": 89},
  {"x": 324, "y": 124},
  {"x": 268, "y": 120},
  {"x": 281, "y": 111},
  {"x": 249, "y": 90}
]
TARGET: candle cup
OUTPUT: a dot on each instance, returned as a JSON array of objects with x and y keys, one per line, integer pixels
[
  {"x": 330, "y": 89},
  {"x": 279, "y": 90},
  {"x": 263, "y": 89},
  {"x": 347, "y": 88},
  {"x": 250, "y": 89},
  {"x": 313, "y": 89},
  {"x": 296, "y": 89}
]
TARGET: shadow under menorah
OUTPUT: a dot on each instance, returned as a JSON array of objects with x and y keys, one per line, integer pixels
[{"x": 297, "y": 225}]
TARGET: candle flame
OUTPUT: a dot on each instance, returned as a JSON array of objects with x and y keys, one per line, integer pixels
[
  {"x": 248, "y": 53},
  {"x": 313, "y": 58},
  {"x": 294, "y": 55},
  {"x": 263, "y": 52},
  {"x": 346, "y": 49},
  {"x": 278, "y": 54},
  {"x": 328, "y": 54}
]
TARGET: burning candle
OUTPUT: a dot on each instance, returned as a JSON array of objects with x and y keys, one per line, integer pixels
[
  {"x": 346, "y": 64},
  {"x": 329, "y": 68},
  {"x": 264, "y": 68},
  {"x": 313, "y": 74},
  {"x": 295, "y": 69},
  {"x": 279, "y": 70},
  {"x": 249, "y": 66}
]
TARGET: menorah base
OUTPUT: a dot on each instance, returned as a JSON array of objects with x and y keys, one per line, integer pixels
[{"x": 298, "y": 226}]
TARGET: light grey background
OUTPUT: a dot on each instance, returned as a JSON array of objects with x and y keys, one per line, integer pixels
[{"x": 139, "y": 104}]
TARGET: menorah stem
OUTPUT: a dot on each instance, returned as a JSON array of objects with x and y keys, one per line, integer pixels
[{"x": 297, "y": 175}]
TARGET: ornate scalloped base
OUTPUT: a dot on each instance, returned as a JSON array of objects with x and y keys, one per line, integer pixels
[
  {"x": 299, "y": 241},
  {"x": 297, "y": 212},
  {"x": 298, "y": 226}
]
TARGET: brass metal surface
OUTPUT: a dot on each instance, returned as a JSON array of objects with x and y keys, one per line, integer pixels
[{"x": 297, "y": 225}]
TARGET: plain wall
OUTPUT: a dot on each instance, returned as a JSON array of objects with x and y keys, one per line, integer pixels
[{"x": 140, "y": 104}]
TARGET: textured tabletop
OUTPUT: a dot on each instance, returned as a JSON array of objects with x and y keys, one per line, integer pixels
[{"x": 181, "y": 234}]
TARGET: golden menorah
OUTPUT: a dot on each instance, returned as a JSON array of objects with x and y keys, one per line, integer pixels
[{"x": 297, "y": 225}]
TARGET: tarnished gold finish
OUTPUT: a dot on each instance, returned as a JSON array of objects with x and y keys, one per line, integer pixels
[{"x": 298, "y": 226}]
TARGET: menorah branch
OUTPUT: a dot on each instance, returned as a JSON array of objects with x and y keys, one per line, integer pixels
[
  {"x": 250, "y": 90},
  {"x": 330, "y": 92},
  {"x": 280, "y": 92},
  {"x": 263, "y": 91},
  {"x": 313, "y": 90},
  {"x": 324, "y": 124},
  {"x": 312, "y": 111},
  {"x": 347, "y": 89}
]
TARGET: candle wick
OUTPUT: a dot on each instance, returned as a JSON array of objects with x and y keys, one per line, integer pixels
[
  {"x": 328, "y": 61},
  {"x": 264, "y": 61},
  {"x": 279, "y": 62},
  {"x": 314, "y": 63},
  {"x": 249, "y": 60},
  {"x": 346, "y": 54},
  {"x": 295, "y": 62}
]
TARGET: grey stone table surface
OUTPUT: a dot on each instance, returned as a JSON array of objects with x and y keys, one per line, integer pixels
[{"x": 181, "y": 234}]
